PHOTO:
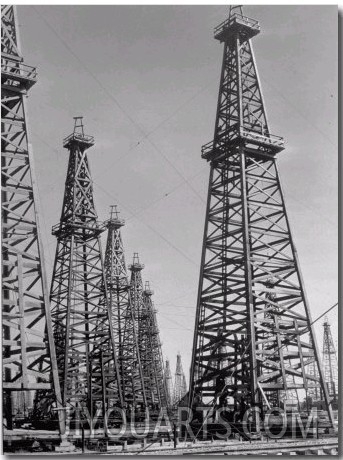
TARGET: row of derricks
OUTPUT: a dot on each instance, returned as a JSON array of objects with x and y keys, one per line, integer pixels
[
  {"x": 106, "y": 336},
  {"x": 89, "y": 352}
]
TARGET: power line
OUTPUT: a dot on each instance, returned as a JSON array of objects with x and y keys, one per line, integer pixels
[
  {"x": 173, "y": 314},
  {"x": 325, "y": 313},
  {"x": 175, "y": 298},
  {"x": 175, "y": 322},
  {"x": 144, "y": 223},
  {"x": 110, "y": 95},
  {"x": 95, "y": 78},
  {"x": 138, "y": 143},
  {"x": 147, "y": 134},
  {"x": 167, "y": 194},
  {"x": 298, "y": 112},
  {"x": 307, "y": 206},
  {"x": 180, "y": 306},
  {"x": 135, "y": 215},
  {"x": 177, "y": 249}
]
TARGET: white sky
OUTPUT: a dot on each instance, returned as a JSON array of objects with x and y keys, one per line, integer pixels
[{"x": 146, "y": 80}]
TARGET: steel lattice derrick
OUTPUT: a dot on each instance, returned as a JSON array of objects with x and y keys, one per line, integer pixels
[
  {"x": 313, "y": 393},
  {"x": 29, "y": 360},
  {"x": 159, "y": 362},
  {"x": 155, "y": 348},
  {"x": 184, "y": 385},
  {"x": 260, "y": 333},
  {"x": 168, "y": 383},
  {"x": 272, "y": 312},
  {"x": 82, "y": 320},
  {"x": 124, "y": 327},
  {"x": 142, "y": 317},
  {"x": 330, "y": 361},
  {"x": 180, "y": 389}
]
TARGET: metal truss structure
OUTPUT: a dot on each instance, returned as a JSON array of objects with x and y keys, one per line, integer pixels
[
  {"x": 168, "y": 383},
  {"x": 251, "y": 337},
  {"x": 155, "y": 347},
  {"x": 276, "y": 397},
  {"x": 124, "y": 323},
  {"x": 180, "y": 387},
  {"x": 82, "y": 320},
  {"x": 29, "y": 360},
  {"x": 313, "y": 393},
  {"x": 330, "y": 361},
  {"x": 141, "y": 305}
]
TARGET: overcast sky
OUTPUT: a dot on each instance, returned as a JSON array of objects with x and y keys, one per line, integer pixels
[{"x": 145, "y": 78}]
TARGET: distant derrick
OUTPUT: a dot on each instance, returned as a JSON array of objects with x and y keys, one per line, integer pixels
[
  {"x": 168, "y": 381},
  {"x": 313, "y": 392},
  {"x": 155, "y": 348},
  {"x": 148, "y": 337},
  {"x": 123, "y": 317},
  {"x": 330, "y": 361},
  {"x": 180, "y": 386}
]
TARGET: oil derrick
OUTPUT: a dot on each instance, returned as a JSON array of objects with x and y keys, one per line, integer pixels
[
  {"x": 142, "y": 317},
  {"x": 168, "y": 383},
  {"x": 330, "y": 361},
  {"x": 180, "y": 389},
  {"x": 124, "y": 327},
  {"x": 313, "y": 393},
  {"x": 271, "y": 313},
  {"x": 82, "y": 321},
  {"x": 155, "y": 348},
  {"x": 184, "y": 385},
  {"x": 247, "y": 240},
  {"x": 29, "y": 359}
]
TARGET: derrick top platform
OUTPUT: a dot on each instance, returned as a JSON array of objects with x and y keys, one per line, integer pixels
[
  {"x": 114, "y": 221},
  {"x": 260, "y": 142},
  {"x": 136, "y": 265},
  {"x": 78, "y": 137},
  {"x": 81, "y": 230},
  {"x": 147, "y": 290},
  {"x": 81, "y": 140},
  {"x": 237, "y": 24},
  {"x": 16, "y": 74}
]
